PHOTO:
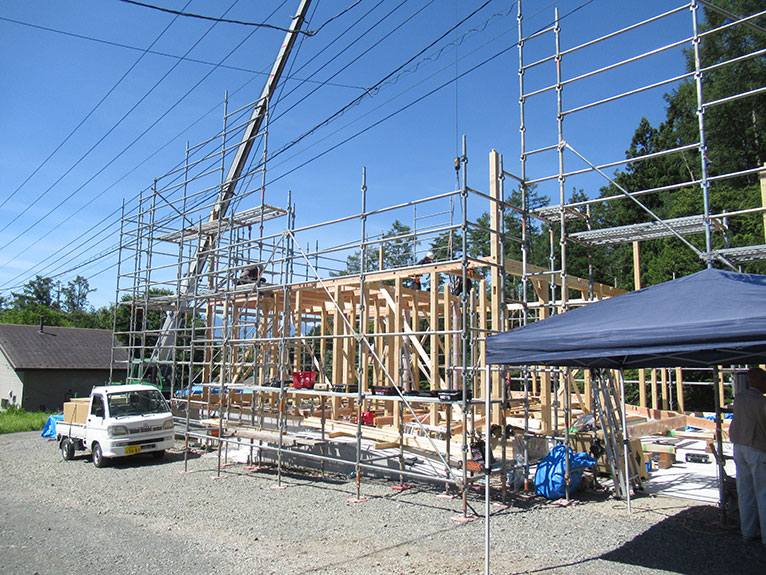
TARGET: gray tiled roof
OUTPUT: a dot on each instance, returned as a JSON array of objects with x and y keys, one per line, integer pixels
[{"x": 57, "y": 347}]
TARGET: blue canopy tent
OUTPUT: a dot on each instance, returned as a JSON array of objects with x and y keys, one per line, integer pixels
[{"x": 712, "y": 317}]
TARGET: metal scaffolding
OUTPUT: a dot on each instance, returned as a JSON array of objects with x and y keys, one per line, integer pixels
[{"x": 362, "y": 356}]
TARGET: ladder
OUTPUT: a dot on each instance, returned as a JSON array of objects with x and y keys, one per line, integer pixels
[{"x": 607, "y": 405}]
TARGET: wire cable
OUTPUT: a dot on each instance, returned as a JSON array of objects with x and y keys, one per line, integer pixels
[
  {"x": 166, "y": 54},
  {"x": 240, "y": 22},
  {"x": 92, "y": 111}
]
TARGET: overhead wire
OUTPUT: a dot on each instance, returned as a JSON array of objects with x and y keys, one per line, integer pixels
[
  {"x": 101, "y": 139},
  {"x": 406, "y": 106},
  {"x": 240, "y": 22},
  {"x": 124, "y": 150},
  {"x": 165, "y": 54},
  {"x": 388, "y": 76},
  {"x": 91, "y": 112},
  {"x": 416, "y": 100}
]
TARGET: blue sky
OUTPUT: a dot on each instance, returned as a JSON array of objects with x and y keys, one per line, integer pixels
[{"x": 61, "y": 62}]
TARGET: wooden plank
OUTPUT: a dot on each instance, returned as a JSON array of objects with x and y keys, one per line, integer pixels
[{"x": 515, "y": 268}]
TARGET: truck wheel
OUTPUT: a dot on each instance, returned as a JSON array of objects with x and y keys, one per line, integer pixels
[
  {"x": 98, "y": 456},
  {"x": 158, "y": 454},
  {"x": 67, "y": 449}
]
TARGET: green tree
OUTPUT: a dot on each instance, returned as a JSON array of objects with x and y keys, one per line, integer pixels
[{"x": 75, "y": 295}]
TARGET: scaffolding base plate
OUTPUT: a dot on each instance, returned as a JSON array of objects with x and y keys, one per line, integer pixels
[
  {"x": 464, "y": 518},
  {"x": 401, "y": 487},
  {"x": 356, "y": 499}
]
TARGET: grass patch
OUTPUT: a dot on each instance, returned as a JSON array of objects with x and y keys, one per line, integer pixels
[{"x": 15, "y": 419}]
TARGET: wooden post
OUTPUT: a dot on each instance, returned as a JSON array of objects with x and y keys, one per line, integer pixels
[
  {"x": 323, "y": 345},
  {"x": 636, "y": 266},
  {"x": 337, "y": 350},
  {"x": 497, "y": 268},
  {"x": 364, "y": 355},
  {"x": 433, "y": 327},
  {"x": 721, "y": 386},
  {"x": 298, "y": 351},
  {"x": 680, "y": 389},
  {"x": 664, "y": 385},
  {"x": 642, "y": 387},
  {"x": 654, "y": 390},
  {"x": 448, "y": 380},
  {"x": 396, "y": 348}
]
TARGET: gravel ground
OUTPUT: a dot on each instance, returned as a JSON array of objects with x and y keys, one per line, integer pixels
[{"x": 142, "y": 516}]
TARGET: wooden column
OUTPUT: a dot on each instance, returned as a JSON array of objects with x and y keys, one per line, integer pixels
[
  {"x": 680, "y": 389},
  {"x": 397, "y": 343},
  {"x": 664, "y": 385},
  {"x": 298, "y": 322},
  {"x": 636, "y": 266},
  {"x": 337, "y": 349},
  {"x": 363, "y": 358},
  {"x": 496, "y": 271},
  {"x": 323, "y": 345},
  {"x": 448, "y": 380},
  {"x": 433, "y": 341},
  {"x": 655, "y": 403}
]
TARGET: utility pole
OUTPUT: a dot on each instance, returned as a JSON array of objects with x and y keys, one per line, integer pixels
[{"x": 164, "y": 347}]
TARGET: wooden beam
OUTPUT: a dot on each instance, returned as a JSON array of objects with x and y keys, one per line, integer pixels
[{"x": 515, "y": 268}]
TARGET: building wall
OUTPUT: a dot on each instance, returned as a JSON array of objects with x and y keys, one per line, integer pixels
[
  {"x": 47, "y": 389},
  {"x": 11, "y": 385}
]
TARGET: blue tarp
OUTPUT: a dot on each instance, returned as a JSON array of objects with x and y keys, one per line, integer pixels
[
  {"x": 549, "y": 477},
  {"x": 713, "y": 317},
  {"x": 49, "y": 431}
]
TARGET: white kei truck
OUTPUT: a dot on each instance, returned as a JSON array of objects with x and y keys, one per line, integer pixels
[{"x": 116, "y": 421}]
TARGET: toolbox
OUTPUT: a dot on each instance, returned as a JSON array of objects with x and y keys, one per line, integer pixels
[
  {"x": 455, "y": 394},
  {"x": 345, "y": 388},
  {"x": 424, "y": 392},
  {"x": 304, "y": 379},
  {"x": 383, "y": 390}
]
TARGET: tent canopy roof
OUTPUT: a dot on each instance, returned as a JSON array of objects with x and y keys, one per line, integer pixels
[{"x": 712, "y": 317}]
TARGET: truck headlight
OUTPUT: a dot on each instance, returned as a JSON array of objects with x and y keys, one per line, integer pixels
[
  {"x": 168, "y": 424},
  {"x": 113, "y": 430}
]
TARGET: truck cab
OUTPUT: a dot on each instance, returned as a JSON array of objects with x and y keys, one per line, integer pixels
[{"x": 117, "y": 421}]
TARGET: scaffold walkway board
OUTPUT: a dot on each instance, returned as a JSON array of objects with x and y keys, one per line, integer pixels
[
  {"x": 744, "y": 254},
  {"x": 645, "y": 231},
  {"x": 240, "y": 219},
  {"x": 552, "y": 214}
]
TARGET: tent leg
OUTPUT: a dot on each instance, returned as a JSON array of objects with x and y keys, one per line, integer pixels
[{"x": 719, "y": 444}]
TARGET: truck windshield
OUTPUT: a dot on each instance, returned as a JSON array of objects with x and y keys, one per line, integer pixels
[{"x": 142, "y": 402}]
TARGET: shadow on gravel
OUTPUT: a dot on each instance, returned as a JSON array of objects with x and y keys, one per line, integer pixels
[
  {"x": 692, "y": 542},
  {"x": 141, "y": 460}
]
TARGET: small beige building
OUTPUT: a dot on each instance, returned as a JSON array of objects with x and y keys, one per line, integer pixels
[{"x": 41, "y": 367}]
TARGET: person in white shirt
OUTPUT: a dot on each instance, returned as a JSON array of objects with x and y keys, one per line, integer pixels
[{"x": 748, "y": 434}]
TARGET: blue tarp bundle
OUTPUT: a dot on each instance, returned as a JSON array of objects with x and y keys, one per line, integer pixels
[
  {"x": 549, "y": 477},
  {"x": 49, "y": 431},
  {"x": 713, "y": 317}
]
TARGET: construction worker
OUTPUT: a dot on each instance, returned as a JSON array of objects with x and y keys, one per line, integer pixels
[
  {"x": 748, "y": 434},
  {"x": 427, "y": 259}
]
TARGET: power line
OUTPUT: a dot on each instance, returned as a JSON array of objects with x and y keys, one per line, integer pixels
[
  {"x": 410, "y": 104},
  {"x": 295, "y": 142},
  {"x": 166, "y": 54},
  {"x": 240, "y": 22},
  {"x": 89, "y": 114},
  {"x": 94, "y": 146}
]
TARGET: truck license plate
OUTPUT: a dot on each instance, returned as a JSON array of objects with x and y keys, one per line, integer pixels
[{"x": 132, "y": 449}]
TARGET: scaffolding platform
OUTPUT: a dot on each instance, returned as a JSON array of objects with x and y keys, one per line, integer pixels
[{"x": 685, "y": 226}]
